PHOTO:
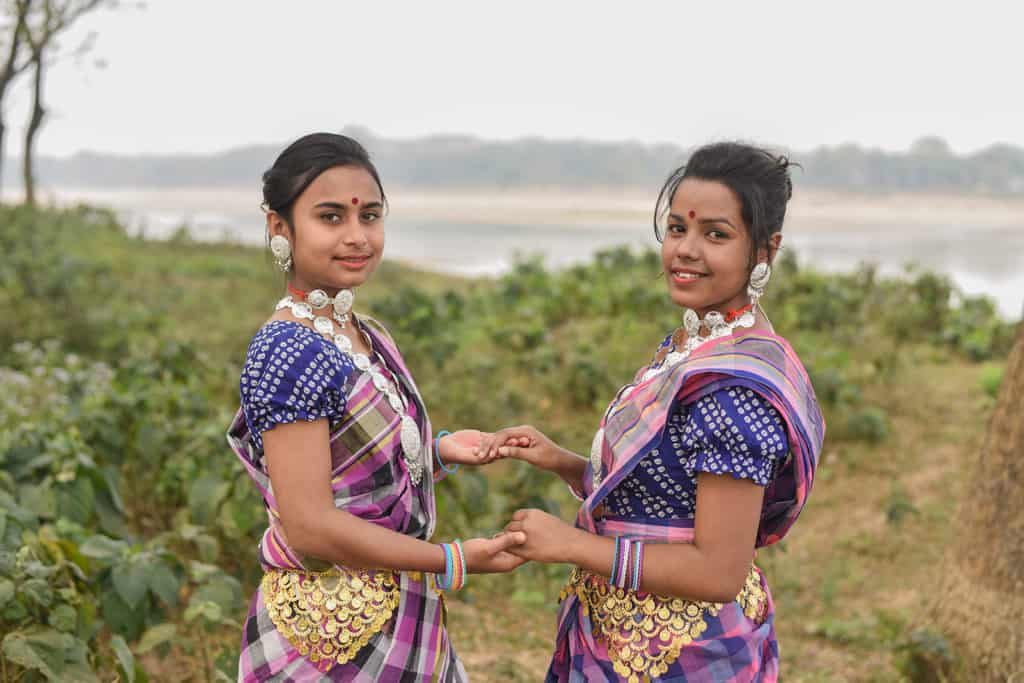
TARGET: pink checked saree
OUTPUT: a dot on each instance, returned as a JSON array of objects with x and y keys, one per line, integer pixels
[
  {"x": 610, "y": 634},
  {"x": 310, "y": 621}
]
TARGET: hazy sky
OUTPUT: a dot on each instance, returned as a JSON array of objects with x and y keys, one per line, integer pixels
[{"x": 205, "y": 75}]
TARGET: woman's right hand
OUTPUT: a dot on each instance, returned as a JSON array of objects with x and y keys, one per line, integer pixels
[
  {"x": 525, "y": 443},
  {"x": 491, "y": 555}
]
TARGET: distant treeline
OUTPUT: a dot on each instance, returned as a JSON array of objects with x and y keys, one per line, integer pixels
[{"x": 457, "y": 161}]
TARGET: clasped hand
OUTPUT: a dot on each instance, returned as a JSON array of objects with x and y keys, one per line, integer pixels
[{"x": 531, "y": 534}]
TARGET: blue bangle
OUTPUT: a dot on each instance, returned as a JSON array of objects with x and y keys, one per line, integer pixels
[
  {"x": 444, "y": 581},
  {"x": 437, "y": 453}
]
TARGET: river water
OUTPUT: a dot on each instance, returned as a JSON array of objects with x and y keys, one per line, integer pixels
[{"x": 979, "y": 243}]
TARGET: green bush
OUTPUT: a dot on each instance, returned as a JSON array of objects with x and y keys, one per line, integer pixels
[{"x": 122, "y": 511}]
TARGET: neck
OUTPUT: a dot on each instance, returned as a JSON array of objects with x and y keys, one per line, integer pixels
[
  {"x": 730, "y": 312},
  {"x": 301, "y": 289}
]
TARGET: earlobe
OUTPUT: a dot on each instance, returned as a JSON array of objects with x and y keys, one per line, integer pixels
[
  {"x": 275, "y": 225},
  {"x": 774, "y": 242}
]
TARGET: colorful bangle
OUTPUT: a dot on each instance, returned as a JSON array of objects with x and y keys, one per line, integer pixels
[
  {"x": 459, "y": 579},
  {"x": 638, "y": 565},
  {"x": 454, "y": 576},
  {"x": 621, "y": 562},
  {"x": 437, "y": 453}
]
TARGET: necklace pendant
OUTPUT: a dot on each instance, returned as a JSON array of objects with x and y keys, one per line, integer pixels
[
  {"x": 396, "y": 403},
  {"x": 691, "y": 321},
  {"x": 343, "y": 302},
  {"x": 412, "y": 443},
  {"x": 300, "y": 309},
  {"x": 323, "y": 325},
  {"x": 343, "y": 343},
  {"x": 596, "y": 446},
  {"x": 361, "y": 361},
  {"x": 318, "y": 298}
]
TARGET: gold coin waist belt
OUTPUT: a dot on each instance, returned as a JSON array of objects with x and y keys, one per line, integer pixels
[
  {"x": 329, "y": 616},
  {"x": 644, "y": 632}
]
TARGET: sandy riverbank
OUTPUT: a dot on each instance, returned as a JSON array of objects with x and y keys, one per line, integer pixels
[{"x": 809, "y": 210}]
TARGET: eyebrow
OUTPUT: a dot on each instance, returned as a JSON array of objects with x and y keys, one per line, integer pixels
[
  {"x": 339, "y": 205},
  {"x": 703, "y": 221}
]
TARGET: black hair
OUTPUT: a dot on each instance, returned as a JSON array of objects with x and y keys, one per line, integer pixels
[
  {"x": 305, "y": 159},
  {"x": 758, "y": 178}
]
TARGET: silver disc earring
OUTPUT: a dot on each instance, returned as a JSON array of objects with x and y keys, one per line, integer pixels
[
  {"x": 759, "y": 277},
  {"x": 281, "y": 248}
]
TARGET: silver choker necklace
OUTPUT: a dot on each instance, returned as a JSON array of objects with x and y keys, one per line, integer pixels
[
  {"x": 412, "y": 443},
  {"x": 717, "y": 327}
]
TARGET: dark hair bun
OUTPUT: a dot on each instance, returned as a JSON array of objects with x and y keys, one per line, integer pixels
[
  {"x": 759, "y": 178},
  {"x": 305, "y": 159}
]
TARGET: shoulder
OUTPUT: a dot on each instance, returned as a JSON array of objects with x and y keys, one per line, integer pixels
[
  {"x": 291, "y": 372},
  {"x": 287, "y": 350},
  {"x": 738, "y": 414}
]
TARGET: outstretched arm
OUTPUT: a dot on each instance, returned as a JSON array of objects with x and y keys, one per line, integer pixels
[
  {"x": 530, "y": 445},
  {"x": 712, "y": 568},
  {"x": 299, "y": 464}
]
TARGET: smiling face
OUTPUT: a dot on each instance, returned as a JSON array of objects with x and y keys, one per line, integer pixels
[
  {"x": 706, "y": 249},
  {"x": 338, "y": 238}
]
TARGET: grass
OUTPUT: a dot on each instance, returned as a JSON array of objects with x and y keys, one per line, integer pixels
[{"x": 849, "y": 583}]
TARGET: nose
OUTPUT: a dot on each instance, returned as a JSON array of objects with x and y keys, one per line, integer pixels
[
  {"x": 354, "y": 232},
  {"x": 687, "y": 246}
]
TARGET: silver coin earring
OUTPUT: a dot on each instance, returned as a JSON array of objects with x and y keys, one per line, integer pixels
[
  {"x": 759, "y": 277},
  {"x": 281, "y": 248}
]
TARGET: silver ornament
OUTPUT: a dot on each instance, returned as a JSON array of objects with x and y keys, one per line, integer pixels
[
  {"x": 318, "y": 298},
  {"x": 343, "y": 301},
  {"x": 691, "y": 321},
  {"x": 343, "y": 343},
  {"x": 300, "y": 309},
  {"x": 760, "y": 275},
  {"x": 280, "y": 247},
  {"x": 323, "y": 325}
]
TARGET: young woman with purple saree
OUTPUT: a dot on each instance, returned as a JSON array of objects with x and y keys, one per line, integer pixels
[
  {"x": 708, "y": 454},
  {"x": 335, "y": 435}
]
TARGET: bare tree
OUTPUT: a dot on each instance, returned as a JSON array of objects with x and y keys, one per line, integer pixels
[
  {"x": 43, "y": 25},
  {"x": 980, "y": 599},
  {"x": 12, "y": 40}
]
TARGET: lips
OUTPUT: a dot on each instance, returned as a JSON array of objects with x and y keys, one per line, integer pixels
[
  {"x": 686, "y": 277},
  {"x": 353, "y": 262}
]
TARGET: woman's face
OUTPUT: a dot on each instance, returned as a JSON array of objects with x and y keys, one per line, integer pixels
[
  {"x": 339, "y": 230},
  {"x": 706, "y": 250}
]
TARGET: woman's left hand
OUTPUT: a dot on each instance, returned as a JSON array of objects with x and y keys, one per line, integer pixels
[
  {"x": 548, "y": 538},
  {"x": 459, "y": 448}
]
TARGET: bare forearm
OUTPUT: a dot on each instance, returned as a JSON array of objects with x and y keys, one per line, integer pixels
[
  {"x": 343, "y": 538},
  {"x": 674, "y": 569},
  {"x": 570, "y": 467}
]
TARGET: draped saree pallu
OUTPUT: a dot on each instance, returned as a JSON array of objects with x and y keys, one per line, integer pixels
[
  {"x": 313, "y": 621},
  {"x": 607, "y": 633}
]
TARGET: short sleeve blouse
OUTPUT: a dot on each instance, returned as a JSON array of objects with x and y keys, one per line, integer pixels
[
  {"x": 292, "y": 373},
  {"x": 732, "y": 431}
]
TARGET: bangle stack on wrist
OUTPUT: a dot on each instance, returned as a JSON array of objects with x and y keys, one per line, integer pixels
[
  {"x": 627, "y": 564},
  {"x": 437, "y": 453},
  {"x": 454, "y": 576}
]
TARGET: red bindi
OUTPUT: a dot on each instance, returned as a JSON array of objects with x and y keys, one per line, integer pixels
[
  {"x": 355, "y": 200},
  {"x": 693, "y": 214}
]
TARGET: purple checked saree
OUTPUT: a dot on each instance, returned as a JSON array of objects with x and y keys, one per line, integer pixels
[
  {"x": 310, "y": 620},
  {"x": 713, "y": 412}
]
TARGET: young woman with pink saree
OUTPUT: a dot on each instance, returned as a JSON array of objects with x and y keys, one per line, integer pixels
[
  {"x": 708, "y": 454},
  {"x": 335, "y": 436}
]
